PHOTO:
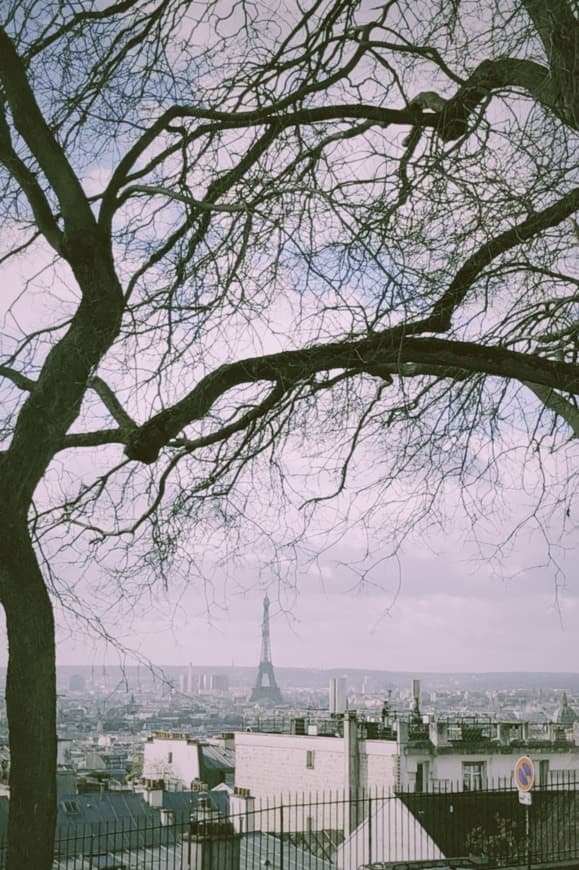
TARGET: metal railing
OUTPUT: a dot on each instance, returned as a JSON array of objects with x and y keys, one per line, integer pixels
[
  {"x": 338, "y": 832},
  {"x": 459, "y": 729}
]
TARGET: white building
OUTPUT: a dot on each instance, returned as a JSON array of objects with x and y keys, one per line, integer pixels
[
  {"x": 180, "y": 760},
  {"x": 405, "y": 755},
  {"x": 347, "y": 780},
  {"x": 273, "y": 764}
]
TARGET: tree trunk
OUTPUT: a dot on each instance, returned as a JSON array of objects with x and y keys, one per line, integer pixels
[{"x": 30, "y": 702}]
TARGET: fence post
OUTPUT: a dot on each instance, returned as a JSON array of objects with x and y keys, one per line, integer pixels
[
  {"x": 369, "y": 828},
  {"x": 281, "y": 853},
  {"x": 189, "y": 844}
]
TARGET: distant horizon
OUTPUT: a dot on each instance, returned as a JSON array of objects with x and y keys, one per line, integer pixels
[
  {"x": 362, "y": 670},
  {"x": 369, "y": 681}
]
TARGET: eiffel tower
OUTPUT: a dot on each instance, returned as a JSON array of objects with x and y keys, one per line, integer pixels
[{"x": 269, "y": 692}]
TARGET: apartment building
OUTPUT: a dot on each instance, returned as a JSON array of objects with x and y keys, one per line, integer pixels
[{"x": 350, "y": 754}]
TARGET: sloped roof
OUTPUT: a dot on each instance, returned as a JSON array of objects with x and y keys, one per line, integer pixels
[
  {"x": 256, "y": 850},
  {"x": 95, "y": 824},
  {"x": 216, "y": 758},
  {"x": 106, "y": 807},
  {"x": 184, "y": 802},
  {"x": 267, "y": 848}
]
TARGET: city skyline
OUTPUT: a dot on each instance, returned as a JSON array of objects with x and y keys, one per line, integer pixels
[{"x": 453, "y": 619}]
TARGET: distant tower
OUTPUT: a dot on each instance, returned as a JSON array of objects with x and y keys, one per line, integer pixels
[
  {"x": 190, "y": 679},
  {"x": 338, "y": 695},
  {"x": 270, "y": 692}
]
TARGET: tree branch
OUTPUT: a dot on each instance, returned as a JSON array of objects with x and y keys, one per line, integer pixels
[
  {"x": 93, "y": 439},
  {"x": 558, "y": 28},
  {"x": 112, "y": 404},
  {"x": 18, "y": 379},
  {"x": 202, "y": 205},
  {"x": 268, "y": 117},
  {"x": 45, "y": 220},
  {"x": 556, "y": 403},
  {"x": 389, "y": 348},
  {"x": 30, "y": 123},
  {"x": 238, "y": 425},
  {"x": 78, "y": 18},
  {"x": 493, "y": 75},
  {"x": 442, "y": 312}
]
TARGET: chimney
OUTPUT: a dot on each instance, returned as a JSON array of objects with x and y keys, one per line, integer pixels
[
  {"x": 205, "y": 814},
  {"x": 221, "y": 852},
  {"x": 242, "y": 810},
  {"x": 401, "y": 733},
  {"x": 213, "y": 844},
  {"x": 167, "y": 817},
  {"x": 352, "y": 769},
  {"x": 153, "y": 792},
  {"x": 228, "y": 740}
]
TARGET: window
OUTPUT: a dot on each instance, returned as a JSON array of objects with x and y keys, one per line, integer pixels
[
  {"x": 169, "y": 757},
  {"x": 421, "y": 776},
  {"x": 310, "y": 755},
  {"x": 70, "y": 808},
  {"x": 473, "y": 775}
]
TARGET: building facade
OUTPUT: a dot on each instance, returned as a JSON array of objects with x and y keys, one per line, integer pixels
[
  {"x": 402, "y": 755},
  {"x": 180, "y": 761}
]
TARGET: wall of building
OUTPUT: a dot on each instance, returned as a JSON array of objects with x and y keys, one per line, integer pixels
[
  {"x": 378, "y": 765},
  {"x": 446, "y": 769},
  {"x": 269, "y": 764},
  {"x": 171, "y": 759}
]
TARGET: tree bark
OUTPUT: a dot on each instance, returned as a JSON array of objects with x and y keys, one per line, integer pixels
[{"x": 30, "y": 701}]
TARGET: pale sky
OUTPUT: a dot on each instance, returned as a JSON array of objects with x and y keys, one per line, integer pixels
[{"x": 445, "y": 614}]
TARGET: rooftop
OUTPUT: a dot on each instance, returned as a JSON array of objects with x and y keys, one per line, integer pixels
[{"x": 442, "y": 732}]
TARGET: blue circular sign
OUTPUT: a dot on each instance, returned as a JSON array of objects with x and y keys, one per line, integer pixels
[{"x": 524, "y": 773}]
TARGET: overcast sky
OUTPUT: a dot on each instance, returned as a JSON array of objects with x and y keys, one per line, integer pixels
[{"x": 442, "y": 614}]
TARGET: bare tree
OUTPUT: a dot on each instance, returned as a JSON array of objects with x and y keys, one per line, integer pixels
[{"x": 233, "y": 229}]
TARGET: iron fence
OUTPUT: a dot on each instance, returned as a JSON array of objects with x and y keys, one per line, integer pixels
[{"x": 371, "y": 829}]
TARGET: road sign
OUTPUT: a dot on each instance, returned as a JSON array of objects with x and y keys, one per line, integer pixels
[
  {"x": 525, "y": 798},
  {"x": 524, "y": 773}
]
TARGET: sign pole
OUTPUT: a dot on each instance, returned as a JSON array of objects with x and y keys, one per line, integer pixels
[
  {"x": 524, "y": 776},
  {"x": 528, "y": 834}
]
